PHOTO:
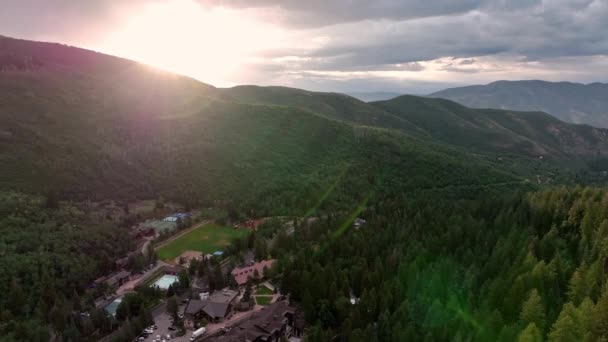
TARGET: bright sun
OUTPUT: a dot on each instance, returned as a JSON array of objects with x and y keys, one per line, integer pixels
[{"x": 183, "y": 37}]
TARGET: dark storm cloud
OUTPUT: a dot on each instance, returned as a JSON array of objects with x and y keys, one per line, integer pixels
[
  {"x": 530, "y": 29},
  {"x": 314, "y": 13}
]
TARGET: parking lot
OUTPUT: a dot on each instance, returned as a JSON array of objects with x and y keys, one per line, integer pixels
[{"x": 163, "y": 321}]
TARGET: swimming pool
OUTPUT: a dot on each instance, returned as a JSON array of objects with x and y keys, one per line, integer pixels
[
  {"x": 165, "y": 281},
  {"x": 111, "y": 308}
]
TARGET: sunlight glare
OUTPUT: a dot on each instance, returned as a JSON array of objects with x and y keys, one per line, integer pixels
[{"x": 184, "y": 37}]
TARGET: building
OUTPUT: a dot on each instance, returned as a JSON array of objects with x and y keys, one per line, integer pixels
[
  {"x": 172, "y": 270},
  {"x": 242, "y": 274},
  {"x": 176, "y": 216},
  {"x": 359, "y": 222},
  {"x": 217, "y": 307},
  {"x": 270, "y": 324},
  {"x": 113, "y": 280}
]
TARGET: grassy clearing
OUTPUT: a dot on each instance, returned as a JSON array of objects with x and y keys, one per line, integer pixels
[
  {"x": 263, "y": 290},
  {"x": 263, "y": 300},
  {"x": 207, "y": 238}
]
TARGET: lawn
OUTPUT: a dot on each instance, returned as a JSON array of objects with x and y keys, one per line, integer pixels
[
  {"x": 207, "y": 238},
  {"x": 263, "y": 300},
  {"x": 263, "y": 290}
]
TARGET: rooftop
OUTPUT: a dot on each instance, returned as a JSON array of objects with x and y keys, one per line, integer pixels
[
  {"x": 260, "y": 324},
  {"x": 241, "y": 274},
  {"x": 216, "y": 306}
]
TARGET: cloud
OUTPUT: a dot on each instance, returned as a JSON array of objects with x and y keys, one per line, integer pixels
[
  {"x": 392, "y": 43},
  {"x": 68, "y": 21},
  {"x": 317, "y": 13}
]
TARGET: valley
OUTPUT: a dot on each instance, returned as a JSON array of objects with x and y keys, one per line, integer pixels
[{"x": 131, "y": 196}]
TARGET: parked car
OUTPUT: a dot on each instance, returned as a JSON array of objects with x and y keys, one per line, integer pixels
[
  {"x": 171, "y": 327},
  {"x": 168, "y": 337}
]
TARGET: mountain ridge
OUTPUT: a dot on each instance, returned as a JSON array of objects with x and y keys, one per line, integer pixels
[
  {"x": 131, "y": 131},
  {"x": 568, "y": 101}
]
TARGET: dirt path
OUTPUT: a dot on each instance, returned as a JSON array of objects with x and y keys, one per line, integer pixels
[{"x": 186, "y": 231}]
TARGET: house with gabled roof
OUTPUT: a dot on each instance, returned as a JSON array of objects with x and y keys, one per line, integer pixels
[{"x": 243, "y": 274}]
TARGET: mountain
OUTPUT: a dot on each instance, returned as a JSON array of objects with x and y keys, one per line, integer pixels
[
  {"x": 92, "y": 126},
  {"x": 449, "y": 248},
  {"x": 509, "y": 136},
  {"x": 373, "y": 96},
  {"x": 330, "y": 105},
  {"x": 570, "y": 102},
  {"x": 499, "y": 131}
]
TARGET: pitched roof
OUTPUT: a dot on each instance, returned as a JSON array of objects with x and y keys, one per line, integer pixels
[
  {"x": 241, "y": 274},
  {"x": 260, "y": 324},
  {"x": 215, "y": 310},
  {"x": 194, "y": 307},
  {"x": 216, "y": 306}
]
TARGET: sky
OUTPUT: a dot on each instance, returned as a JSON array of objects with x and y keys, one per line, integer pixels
[{"x": 401, "y": 46}]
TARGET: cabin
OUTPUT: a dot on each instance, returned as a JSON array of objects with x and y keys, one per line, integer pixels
[{"x": 216, "y": 307}]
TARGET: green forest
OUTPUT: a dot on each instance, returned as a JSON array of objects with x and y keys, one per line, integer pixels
[
  {"x": 520, "y": 267},
  {"x": 481, "y": 224}
]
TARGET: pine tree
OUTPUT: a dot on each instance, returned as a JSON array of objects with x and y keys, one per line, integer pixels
[
  {"x": 530, "y": 334},
  {"x": 601, "y": 315},
  {"x": 567, "y": 327},
  {"x": 172, "y": 308},
  {"x": 532, "y": 310}
]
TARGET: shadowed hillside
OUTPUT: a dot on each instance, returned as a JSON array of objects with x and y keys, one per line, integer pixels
[
  {"x": 94, "y": 126},
  {"x": 532, "y": 134}
]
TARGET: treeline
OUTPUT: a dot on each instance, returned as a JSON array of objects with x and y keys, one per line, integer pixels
[
  {"x": 49, "y": 256},
  {"x": 527, "y": 267}
]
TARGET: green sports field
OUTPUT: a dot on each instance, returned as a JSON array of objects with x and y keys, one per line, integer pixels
[{"x": 207, "y": 238}]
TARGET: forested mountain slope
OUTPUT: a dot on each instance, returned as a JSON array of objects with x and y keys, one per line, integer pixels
[
  {"x": 570, "y": 102},
  {"x": 518, "y": 267},
  {"x": 495, "y": 134},
  {"x": 453, "y": 248},
  {"x": 493, "y": 130},
  {"x": 93, "y": 126},
  {"x": 331, "y": 105}
]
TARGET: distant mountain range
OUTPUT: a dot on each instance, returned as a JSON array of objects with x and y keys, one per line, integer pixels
[{"x": 570, "y": 102}]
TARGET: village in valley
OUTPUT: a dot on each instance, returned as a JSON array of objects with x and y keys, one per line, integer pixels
[{"x": 195, "y": 276}]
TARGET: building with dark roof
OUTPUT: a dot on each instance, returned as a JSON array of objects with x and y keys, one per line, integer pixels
[
  {"x": 219, "y": 306},
  {"x": 276, "y": 321},
  {"x": 173, "y": 270},
  {"x": 114, "y": 280}
]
